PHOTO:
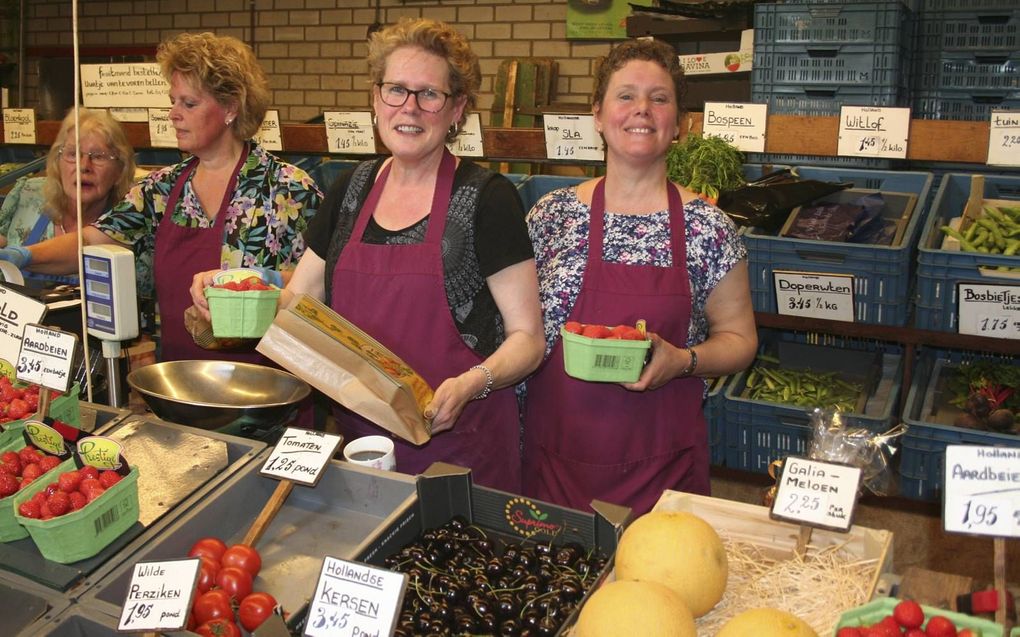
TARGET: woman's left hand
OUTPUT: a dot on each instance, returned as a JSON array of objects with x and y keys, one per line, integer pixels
[
  {"x": 450, "y": 399},
  {"x": 199, "y": 283},
  {"x": 667, "y": 362}
]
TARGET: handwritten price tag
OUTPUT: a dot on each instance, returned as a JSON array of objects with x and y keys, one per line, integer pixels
[
  {"x": 268, "y": 135},
  {"x": 740, "y": 125},
  {"x": 982, "y": 491},
  {"x": 1004, "y": 138},
  {"x": 19, "y": 126},
  {"x": 16, "y": 311},
  {"x": 354, "y": 599},
  {"x": 301, "y": 455},
  {"x": 814, "y": 493},
  {"x": 469, "y": 142},
  {"x": 46, "y": 356},
  {"x": 988, "y": 310},
  {"x": 872, "y": 131},
  {"x": 161, "y": 131},
  {"x": 350, "y": 132},
  {"x": 572, "y": 137},
  {"x": 159, "y": 596},
  {"x": 824, "y": 296}
]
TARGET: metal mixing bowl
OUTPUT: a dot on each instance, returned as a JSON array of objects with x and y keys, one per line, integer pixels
[{"x": 237, "y": 398}]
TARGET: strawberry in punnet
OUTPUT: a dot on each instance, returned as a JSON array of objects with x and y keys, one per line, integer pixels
[
  {"x": 10, "y": 462},
  {"x": 29, "y": 509},
  {"x": 8, "y": 484},
  {"x": 31, "y": 471},
  {"x": 59, "y": 503},
  {"x": 596, "y": 331},
  {"x": 48, "y": 462},
  {"x": 908, "y": 614},
  {"x": 573, "y": 327},
  {"x": 69, "y": 481},
  {"x": 88, "y": 471},
  {"x": 109, "y": 478},
  {"x": 78, "y": 500},
  {"x": 29, "y": 455}
]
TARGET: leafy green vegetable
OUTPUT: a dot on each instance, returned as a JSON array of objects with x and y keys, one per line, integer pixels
[
  {"x": 706, "y": 165},
  {"x": 1000, "y": 381}
]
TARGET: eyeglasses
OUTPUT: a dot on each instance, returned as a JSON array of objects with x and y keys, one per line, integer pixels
[
  {"x": 100, "y": 159},
  {"x": 429, "y": 100}
]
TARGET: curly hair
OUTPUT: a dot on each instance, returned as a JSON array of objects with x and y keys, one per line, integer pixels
[
  {"x": 226, "y": 68},
  {"x": 438, "y": 38},
  {"x": 649, "y": 50},
  {"x": 102, "y": 125}
]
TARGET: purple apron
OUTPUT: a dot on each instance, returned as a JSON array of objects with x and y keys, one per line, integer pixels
[
  {"x": 585, "y": 440},
  {"x": 397, "y": 294},
  {"x": 180, "y": 254}
]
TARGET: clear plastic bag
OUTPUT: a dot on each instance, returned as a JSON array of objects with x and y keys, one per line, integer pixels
[{"x": 833, "y": 440}]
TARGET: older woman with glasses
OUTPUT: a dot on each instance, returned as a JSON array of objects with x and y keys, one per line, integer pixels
[
  {"x": 39, "y": 208},
  {"x": 430, "y": 254}
]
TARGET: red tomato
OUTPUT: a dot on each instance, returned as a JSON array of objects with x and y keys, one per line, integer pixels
[
  {"x": 908, "y": 614},
  {"x": 573, "y": 327},
  {"x": 207, "y": 573},
  {"x": 940, "y": 626},
  {"x": 235, "y": 581},
  {"x": 212, "y": 547},
  {"x": 219, "y": 628},
  {"x": 243, "y": 557},
  {"x": 212, "y": 604},
  {"x": 254, "y": 610}
]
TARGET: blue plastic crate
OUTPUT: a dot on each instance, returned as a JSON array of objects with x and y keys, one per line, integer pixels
[
  {"x": 865, "y": 23},
  {"x": 827, "y": 162},
  {"x": 939, "y": 271},
  {"x": 823, "y": 100},
  {"x": 828, "y": 65},
  {"x": 882, "y": 274},
  {"x": 758, "y": 432},
  {"x": 714, "y": 409},
  {"x": 980, "y": 73},
  {"x": 970, "y": 32},
  {"x": 536, "y": 186},
  {"x": 967, "y": 5},
  {"x": 922, "y": 454},
  {"x": 976, "y": 104}
]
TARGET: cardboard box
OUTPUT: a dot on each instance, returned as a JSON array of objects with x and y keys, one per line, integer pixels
[
  {"x": 333, "y": 355},
  {"x": 897, "y": 211}
]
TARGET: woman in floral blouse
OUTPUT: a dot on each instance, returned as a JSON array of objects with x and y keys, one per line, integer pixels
[
  {"x": 230, "y": 203},
  {"x": 615, "y": 250}
]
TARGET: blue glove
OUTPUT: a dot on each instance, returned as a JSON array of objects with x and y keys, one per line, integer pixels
[
  {"x": 270, "y": 276},
  {"x": 18, "y": 255}
]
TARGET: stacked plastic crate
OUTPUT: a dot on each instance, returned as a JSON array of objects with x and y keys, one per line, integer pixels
[
  {"x": 968, "y": 59},
  {"x": 812, "y": 58}
]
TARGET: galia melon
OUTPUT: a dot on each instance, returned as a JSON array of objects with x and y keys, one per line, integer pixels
[
  {"x": 677, "y": 549},
  {"x": 766, "y": 622},
  {"x": 624, "y": 607}
]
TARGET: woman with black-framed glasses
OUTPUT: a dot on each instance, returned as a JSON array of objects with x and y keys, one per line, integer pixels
[
  {"x": 40, "y": 208},
  {"x": 431, "y": 255}
]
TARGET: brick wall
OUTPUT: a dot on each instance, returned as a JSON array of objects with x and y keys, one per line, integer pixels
[{"x": 313, "y": 50}]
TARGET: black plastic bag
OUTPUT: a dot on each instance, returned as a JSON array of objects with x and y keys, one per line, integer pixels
[{"x": 766, "y": 203}]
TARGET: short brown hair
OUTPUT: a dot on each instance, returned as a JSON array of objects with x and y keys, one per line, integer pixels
[
  {"x": 225, "y": 67},
  {"x": 649, "y": 50},
  {"x": 438, "y": 38}
]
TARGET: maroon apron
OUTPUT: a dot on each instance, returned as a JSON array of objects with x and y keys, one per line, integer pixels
[
  {"x": 585, "y": 440},
  {"x": 397, "y": 294},
  {"x": 180, "y": 254}
]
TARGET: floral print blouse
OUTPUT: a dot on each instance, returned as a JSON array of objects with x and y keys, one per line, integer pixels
[
  {"x": 558, "y": 225},
  {"x": 270, "y": 209}
]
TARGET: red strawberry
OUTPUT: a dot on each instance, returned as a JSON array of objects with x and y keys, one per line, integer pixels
[
  {"x": 59, "y": 503},
  {"x": 109, "y": 478},
  {"x": 29, "y": 509},
  {"x": 10, "y": 463},
  {"x": 48, "y": 462},
  {"x": 573, "y": 327},
  {"x": 89, "y": 471},
  {"x": 596, "y": 331},
  {"x": 44, "y": 512},
  {"x": 8, "y": 484},
  {"x": 93, "y": 493},
  {"x": 28, "y": 455},
  {"x": 78, "y": 500},
  {"x": 31, "y": 471},
  {"x": 69, "y": 481},
  {"x": 18, "y": 409},
  {"x": 50, "y": 489}
]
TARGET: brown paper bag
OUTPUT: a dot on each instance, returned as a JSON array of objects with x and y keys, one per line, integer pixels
[{"x": 330, "y": 353}]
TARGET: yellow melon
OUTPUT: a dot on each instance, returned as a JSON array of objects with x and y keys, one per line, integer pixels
[
  {"x": 766, "y": 622},
  {"x": 677, "y": 549},
  {"x": 624, "y": 607}
]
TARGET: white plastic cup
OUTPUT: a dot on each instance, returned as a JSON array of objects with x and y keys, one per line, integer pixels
[{"x": 371, "y": 451}]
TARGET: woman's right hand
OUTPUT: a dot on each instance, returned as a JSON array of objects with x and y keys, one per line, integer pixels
[{"x": 199, "y": 283}]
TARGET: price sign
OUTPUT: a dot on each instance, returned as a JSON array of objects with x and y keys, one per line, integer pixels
[
  {"x": 301, "y": 455},
  {"x": 16, "y": 311},
  {"x": 19, "y": 126},
  {"x": 824, "y": 296},
  {"x": 982, "y": 491},
  {"x": 354, "y": 599},
  {"x": 572, "y": 137},
  {"x": 159, "y": 596},
  {"x": 350, "y": 132},
  {"x": 469, "y": 142},
  {"x": 268, "y": 135},
  {"x": 814, "y": 493},
  {"x": 136, "y": 84},
  {"x": 873, "y": 131},
  {"x": 161, "y": 131},
  {"x": 1004, "y": 138},
  {"x": 740, "y": 125},
  {"x": 988, "y": 310},
  {"x": 46, "y": 356}
]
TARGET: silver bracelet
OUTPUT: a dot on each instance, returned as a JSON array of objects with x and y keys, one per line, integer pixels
[
  {"x": 488, "y": 382},
  {"x": 694, "y": 363}
]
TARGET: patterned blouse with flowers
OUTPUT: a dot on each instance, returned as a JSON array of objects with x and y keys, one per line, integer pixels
[
  {"x": 558, "y": 225},
  {"x": 272, "y": 204}
]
